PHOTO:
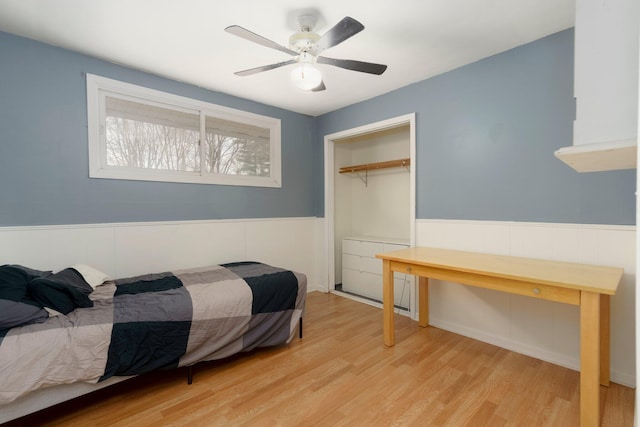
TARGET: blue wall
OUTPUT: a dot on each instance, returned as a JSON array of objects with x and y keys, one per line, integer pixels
[
  {"x": 485, "y": 139},
  {"x": 486, "y": 134},
  {"x": 44, "y": 172}
]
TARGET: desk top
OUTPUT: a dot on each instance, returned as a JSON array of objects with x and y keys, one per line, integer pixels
[{"x": 584, "y": 277}]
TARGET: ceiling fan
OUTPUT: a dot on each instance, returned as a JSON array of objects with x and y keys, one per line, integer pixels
[{"x": 305, "y": 47}]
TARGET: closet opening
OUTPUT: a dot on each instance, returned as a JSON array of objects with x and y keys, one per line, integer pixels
[{"x": 370, "y": 208}]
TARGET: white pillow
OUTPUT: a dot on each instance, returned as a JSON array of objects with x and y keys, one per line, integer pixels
[
  {"x": 52, "y": 312},
  {"x": 92, "y": 276}
]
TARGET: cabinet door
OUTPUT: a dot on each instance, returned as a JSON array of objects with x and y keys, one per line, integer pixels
[{"x": 606, "y": 71}]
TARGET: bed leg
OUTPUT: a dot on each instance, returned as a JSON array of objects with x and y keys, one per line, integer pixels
[
  {"x": 189, "y": 374},
  {"x": 300, "y": 328}
]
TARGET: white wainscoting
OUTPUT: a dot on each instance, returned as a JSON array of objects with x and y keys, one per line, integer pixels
[
  {"x": 127, "y": 249},
  {"x": 542, "y": 329}
]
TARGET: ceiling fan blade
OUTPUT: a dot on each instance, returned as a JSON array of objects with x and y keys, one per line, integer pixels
[
  {"x": 340, "y": 32},
  {"x": 256, "y": 70},
  {"x": 349, "y": 64},
  {"x": 237, "y": 30},
  {"x": 319, "y": 88}
]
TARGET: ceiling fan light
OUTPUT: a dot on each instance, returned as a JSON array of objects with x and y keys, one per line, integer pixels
[{"x": 306, "y": 76}]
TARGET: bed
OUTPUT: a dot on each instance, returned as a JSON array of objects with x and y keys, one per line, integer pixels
[{"x": 84, "y": 331}]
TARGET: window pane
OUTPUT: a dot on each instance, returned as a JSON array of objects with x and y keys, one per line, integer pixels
[
  {"x": 233, "y": 148},
  {"x": 142, "y": 134},
  {"x": 149, "y": 137}
]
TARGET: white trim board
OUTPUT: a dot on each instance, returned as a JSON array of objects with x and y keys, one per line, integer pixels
[
  {"x": 542, "y": 329},
  {"x": 127, "y": 249}
]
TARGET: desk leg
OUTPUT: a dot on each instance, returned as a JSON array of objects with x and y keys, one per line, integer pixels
[
  {"x": 387, "y": 303},
  {"x": 423, "y": 301},
  {"x": 589, "y": 359},
  {"x": 605, "y": 339}
]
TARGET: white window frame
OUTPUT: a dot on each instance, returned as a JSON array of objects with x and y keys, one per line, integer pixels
[{"x": 98, "y": 87}]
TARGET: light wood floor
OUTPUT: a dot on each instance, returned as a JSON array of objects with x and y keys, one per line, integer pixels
[{"x": 341, "y": 374}]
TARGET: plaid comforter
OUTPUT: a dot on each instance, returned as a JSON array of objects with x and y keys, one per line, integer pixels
[{"x": 155, "y": 321}]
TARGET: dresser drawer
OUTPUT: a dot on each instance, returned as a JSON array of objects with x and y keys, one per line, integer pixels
[
  {"x": 370, "y": 285},
  {"x": 353, "y": 262},
  {"x": 362, "y": 283},
  {"x": 362, "y": 271},
  {"x": 371, "y": 265},
  {"x": 362, "y": 248},
  {"x": 388, "y": 247},
  {"x": 362, "y": 263}
]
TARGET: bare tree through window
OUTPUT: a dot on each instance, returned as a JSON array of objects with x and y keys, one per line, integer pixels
[
  {"x": 150, "y": 137},
  {"x": 138, "y": 133}
]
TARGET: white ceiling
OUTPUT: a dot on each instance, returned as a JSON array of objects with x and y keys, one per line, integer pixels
[{"x": 185, "y": 40}]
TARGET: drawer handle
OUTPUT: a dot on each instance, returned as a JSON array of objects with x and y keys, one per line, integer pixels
[
  {"x": 536, "y": 291},
  {"x": 408, "y": 269}
]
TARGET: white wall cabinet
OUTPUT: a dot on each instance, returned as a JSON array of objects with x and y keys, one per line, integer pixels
[
  {"x": 605, "y": 86},
  {"x": 362, "y": 271}
]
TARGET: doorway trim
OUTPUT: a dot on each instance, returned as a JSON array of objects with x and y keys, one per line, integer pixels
[{"x": 329, "y": 196}]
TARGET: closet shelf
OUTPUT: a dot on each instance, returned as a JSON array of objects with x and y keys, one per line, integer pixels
[{"x": 379, "y": 165}]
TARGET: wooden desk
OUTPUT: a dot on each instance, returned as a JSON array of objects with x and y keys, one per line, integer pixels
[{"x": 587, "y": 286}]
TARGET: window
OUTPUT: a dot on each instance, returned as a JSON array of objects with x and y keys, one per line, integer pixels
[{"x": 143, "y": 134}]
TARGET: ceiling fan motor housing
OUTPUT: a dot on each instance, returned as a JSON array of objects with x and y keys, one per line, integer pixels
[{"x": 304, "y": 42}]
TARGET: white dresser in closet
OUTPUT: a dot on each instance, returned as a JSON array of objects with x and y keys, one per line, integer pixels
[{"x": 362, "y": 271}]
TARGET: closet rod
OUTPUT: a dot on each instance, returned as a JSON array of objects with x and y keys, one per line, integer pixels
[{"x": 379, "y": 165}]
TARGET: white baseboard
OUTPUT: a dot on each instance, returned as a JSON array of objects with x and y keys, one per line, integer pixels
[
  {"x": 522, "y": 348},
  {"x": 567, "y": 362},
  {"x": 369, "y": 302}
]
